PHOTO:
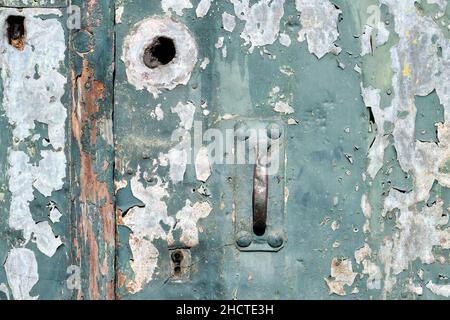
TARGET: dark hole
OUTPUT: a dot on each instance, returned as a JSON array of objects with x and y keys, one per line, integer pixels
[
  {"x": 16, "y": 31},
  {"x": 259, "y": 228},
  {"x": 160, "y": 52},
  {"x": 177, "y": 256},
  {"x": 177, "y": 270}
]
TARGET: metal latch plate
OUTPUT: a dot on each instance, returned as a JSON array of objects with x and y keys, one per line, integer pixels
[{"x": 242, "y": 184}]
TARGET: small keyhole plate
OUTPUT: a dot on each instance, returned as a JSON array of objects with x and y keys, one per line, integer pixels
[{"x": 180, "y": 265}]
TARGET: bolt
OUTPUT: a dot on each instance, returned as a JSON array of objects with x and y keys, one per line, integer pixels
[
  {"x": 241, "y": 131},
  {"x": 244, "y": 239},
  {"x": 389, "y": 92},
  {"x": 273, "y": 131},
  {"x": 130, "y": 171},
  {"x": 275, "y": 240}
]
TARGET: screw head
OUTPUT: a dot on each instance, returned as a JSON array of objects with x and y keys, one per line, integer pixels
[
  {"x": 275, "y": 240},
  {"x": 273, "y": 131},
  {"x": 244, "y": 239}
]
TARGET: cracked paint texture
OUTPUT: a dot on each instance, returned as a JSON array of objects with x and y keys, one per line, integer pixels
[
  {"x": 33, "y": 87},
  {"x": 371, "y": 197},
  {"x": 361, "y": 202}
]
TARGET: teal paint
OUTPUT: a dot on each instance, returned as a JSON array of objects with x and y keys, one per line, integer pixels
[
  {"x": 299, "y": 269},
  {"x": 342, "y": 193},
  {"x": 50, "y": 246},
  {"x": 429, "y": 112}
]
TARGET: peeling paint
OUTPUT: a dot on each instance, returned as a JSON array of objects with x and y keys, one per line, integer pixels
[
  {"x": 228, "y": 21},
  {"x": 169, "y": 76},
  {"x": 283, "y": 107},
  {"x": 372, "y": 100},
  {"x": 285, "y": 40},
  {"x": 414, "y": 288},
  {"x": 54, "y": 213},
  {"x": 176, "y": 6},
  {"x": 440, "y": 290},
  {"x": 203, "y": 8},
  {"x": 262, "y": 21},
  {"x": 28, "y": 99},
  {"x": 418, "y": 69},
  {"x": 418, "y": 233},
  {"x": 341, "y": 275},
  {"x": 187, "y": 219},
  {"x": 146, "y": 226},
  {"x": 22, "y": 273},
  {"x": 367, "y": 211},
  {"x": 203, "y": 165},
  {"x": 178, "y": 156},
  {"x": 119, "y": 13},
  {"x": 373, "y": 36},
  {"x": 319, "y": 26},
  {"x": 363, "y": 253},
  {"x": 204, "y": 63},
  {"x": 24, "y": 96},
  {"x": 46, "y": 242}
]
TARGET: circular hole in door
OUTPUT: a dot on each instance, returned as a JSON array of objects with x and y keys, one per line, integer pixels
[{"x": 160, "y": 52}]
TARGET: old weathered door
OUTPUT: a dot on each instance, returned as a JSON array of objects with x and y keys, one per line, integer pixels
[
  {"x": 35, "y": 246},
  {"x": 235, "y": 149},
  {"x": 57, "y": 224},
  {"x": 350, "y": 209}
]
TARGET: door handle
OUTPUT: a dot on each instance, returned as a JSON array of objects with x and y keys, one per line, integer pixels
[
  {"x": 257, "y": 183},
  {"x": 260, "y": 194}
]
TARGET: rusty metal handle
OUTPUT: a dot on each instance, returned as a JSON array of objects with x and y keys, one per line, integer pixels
[{"x": 260, "y": 197}]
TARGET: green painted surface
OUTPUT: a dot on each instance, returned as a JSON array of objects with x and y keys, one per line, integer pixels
[
  {"x": 51, "y": 270},
  {"x": 363, "y": 164}
]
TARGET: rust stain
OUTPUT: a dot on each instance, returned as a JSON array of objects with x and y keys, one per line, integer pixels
[
  {"x": 93, "y": 264},
  {"x": 19, "y": 44},
  {"x": 86, "y": 96}
]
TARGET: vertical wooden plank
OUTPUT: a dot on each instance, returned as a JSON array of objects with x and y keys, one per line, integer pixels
[
  {"x": 35, "y": 238},
  {"x": 92, "y": 69}
]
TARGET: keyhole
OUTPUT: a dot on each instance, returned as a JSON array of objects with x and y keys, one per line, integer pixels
[
  {"x": 177, "y": 258},
  {"x": 160, "y": 52},
  {"x": 16, "y": 32}
]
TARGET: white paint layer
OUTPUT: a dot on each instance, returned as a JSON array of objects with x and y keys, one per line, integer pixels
[
  {"x": 319, "y": 25},
  {"x": 22, "y": 273},
  {"x": 187, "y": 220},
  {"x": 228, "y": 21},
  {"x": 33, "y": 89},
  {"x": 203, "y": 8},
  {"x": 439, "y": 289},
  {"x": 146, "y": 225},
  {"x": 203, "y": 165},
  {"x": 176, "y": 6},
  {"x": 169, "y": 76},
  {"x": 262, "y": 21}
]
